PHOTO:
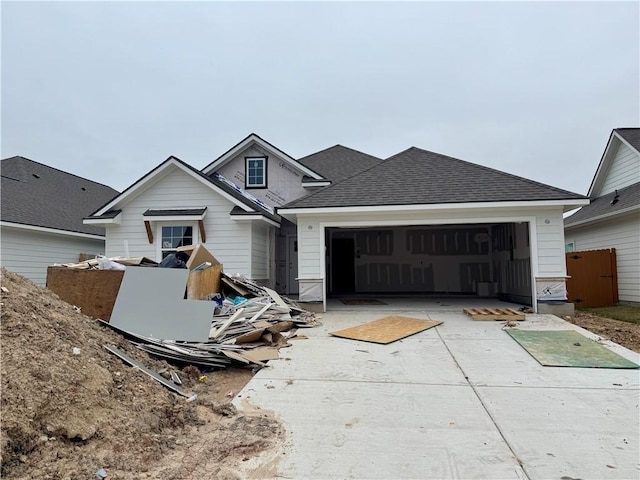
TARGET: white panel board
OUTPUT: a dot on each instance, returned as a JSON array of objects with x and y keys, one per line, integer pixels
[{"x": 151, "y": 303}]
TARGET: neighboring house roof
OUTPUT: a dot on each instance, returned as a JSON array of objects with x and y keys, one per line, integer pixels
[
  {"x": 614, "y": 203},
  {"x": 255, "y": 140},
  {"x": 338, "y": 162},
  {"x": 237, "y": 197},
  {"x": 419, "y": 177},
  {"x": 37, "y": 195},
  {"x": 629, "y": 136}
]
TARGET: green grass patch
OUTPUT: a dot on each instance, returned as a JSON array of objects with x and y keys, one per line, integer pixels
[{"x": 624, "y": 313}]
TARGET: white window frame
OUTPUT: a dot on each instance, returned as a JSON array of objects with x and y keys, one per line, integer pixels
[
  {"x": 263, "y": 160},
  {"x": 194, "y": 229}
]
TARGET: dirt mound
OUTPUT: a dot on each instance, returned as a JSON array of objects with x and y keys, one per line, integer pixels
[{"x": 70, "y": 407}]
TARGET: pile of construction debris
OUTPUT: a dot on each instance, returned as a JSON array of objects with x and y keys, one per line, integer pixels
[
  {"x": 249, "y": 326},
  {"x": 216, "y": 321}
]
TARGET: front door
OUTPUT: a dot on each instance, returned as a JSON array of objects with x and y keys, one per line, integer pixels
[{"x": 292, "y": 264}]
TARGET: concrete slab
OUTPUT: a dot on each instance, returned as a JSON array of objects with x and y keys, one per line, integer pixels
[
  {"x": 461, "y": 400},
  {"x": 369, "y": 430},
  {"x": 569, "y": 432}
]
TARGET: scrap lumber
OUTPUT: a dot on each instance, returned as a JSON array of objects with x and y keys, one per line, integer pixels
[
  {"x": 247, "y": 330},
  {"x": 219, "y": 331},
  {"x": 494, "y": 314}
]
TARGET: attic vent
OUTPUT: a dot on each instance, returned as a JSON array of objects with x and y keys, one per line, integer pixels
[
  {"x": 616, "y": 198},
  {"x": 35, "y": 175}
]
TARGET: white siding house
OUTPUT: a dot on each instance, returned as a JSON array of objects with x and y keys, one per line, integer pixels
[
  {"x": 30, "y": 250},
  {"x": 41, "y": 217},
  {"x": 175, "y": 196},
  {"x": 343, "y": 222},
  {"x": 612, "y": 219}
]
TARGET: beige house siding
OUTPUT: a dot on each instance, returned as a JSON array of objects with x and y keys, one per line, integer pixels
[{"x": 284, "y": 182}]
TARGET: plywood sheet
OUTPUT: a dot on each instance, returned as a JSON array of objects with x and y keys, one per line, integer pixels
[
  {"x": 567, "y": 348},
  {"x": 94, "y": 291},
  {"x": 151, "y": 303},
  {"x": 202, "y": 283},
  {"x": 387, "y": 329}
]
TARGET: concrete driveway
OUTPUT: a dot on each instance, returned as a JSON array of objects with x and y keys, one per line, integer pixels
[{"x": 461, "y": 400}]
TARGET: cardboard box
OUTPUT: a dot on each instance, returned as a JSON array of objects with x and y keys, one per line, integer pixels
[
  {"x": 201, "y": 283},
  {"x": 198, "y": 255}
]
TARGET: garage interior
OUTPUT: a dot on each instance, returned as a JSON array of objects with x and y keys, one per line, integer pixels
[{"x": 466, "y": 260}]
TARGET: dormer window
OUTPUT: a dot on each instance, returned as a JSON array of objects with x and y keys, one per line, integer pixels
[{"x": 255, "y": 172}]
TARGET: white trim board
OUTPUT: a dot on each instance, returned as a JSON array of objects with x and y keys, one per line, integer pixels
[
  {"x": 51, "y": 230},
  {"x": 240, "y": 218},
  {"x": 427, "y": 207}
]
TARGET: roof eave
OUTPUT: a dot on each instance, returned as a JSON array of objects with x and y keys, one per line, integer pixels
[
  {"x": 567, "y": 205},
  {"x": 56, "y": 231},
  {"x": 103, "y": 221},
  {"x": 253, "y": 217},
  {"x": 600, "y": 218}
]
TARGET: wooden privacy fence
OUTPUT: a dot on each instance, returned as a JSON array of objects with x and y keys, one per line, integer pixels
[{"x": 593, "y": 278}]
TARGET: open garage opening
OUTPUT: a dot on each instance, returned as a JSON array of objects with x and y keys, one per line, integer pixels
[{"x": 463, "y": 260}]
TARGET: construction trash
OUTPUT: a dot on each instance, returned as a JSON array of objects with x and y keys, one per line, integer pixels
[{"x": 250, "y": 323}]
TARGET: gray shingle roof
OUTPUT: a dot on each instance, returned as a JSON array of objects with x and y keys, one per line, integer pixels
[
  {"x": 421, "y": 177},
  {"x": 155, "y": 212},
  {"x": 337, "y": 163},
  {"x": 42, "y": 196},
  {"x": 627, "y": 197},
  {"x": 631, "y": 135}
]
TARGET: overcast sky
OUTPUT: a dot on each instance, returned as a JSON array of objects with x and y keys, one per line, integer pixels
[{"x": 108, "y": 91}]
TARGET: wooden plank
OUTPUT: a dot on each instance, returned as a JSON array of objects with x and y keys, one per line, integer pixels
[
  {"x": 276, "y": 298},
  {"x": 258, "y": 314},
  {"x": 497, "y": 314},
  {"x": 234, "y": 286},
  {"x": 94, "y": 291},
  {"x": 147, "y": 227},
  {"x": 226, "y": 324}
]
